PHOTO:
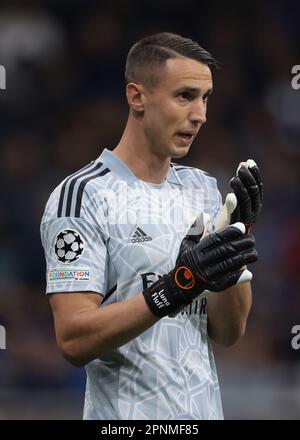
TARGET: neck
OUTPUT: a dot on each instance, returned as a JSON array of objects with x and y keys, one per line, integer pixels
[{"x": 134, "y": 150}]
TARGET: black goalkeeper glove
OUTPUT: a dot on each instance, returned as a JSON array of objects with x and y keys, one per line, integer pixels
[
  {"x": 214, "y": 263},
  {"x": 245, "y": 203}
]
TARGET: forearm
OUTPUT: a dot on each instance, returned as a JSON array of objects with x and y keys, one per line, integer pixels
[
  {"x": 227, "y": 314},
  {"x": 95, "y": 331}
]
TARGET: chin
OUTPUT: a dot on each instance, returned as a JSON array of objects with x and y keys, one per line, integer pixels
[{"x": 179, "y": 152}]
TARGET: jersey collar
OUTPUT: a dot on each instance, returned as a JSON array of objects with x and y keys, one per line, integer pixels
[{"x": 115, "y": 164}]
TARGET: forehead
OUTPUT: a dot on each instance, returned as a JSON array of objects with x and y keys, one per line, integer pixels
[{"x": 179, "y": 72}]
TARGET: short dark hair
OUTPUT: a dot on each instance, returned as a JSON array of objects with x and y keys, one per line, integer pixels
[{"x": 152, "y": 51}]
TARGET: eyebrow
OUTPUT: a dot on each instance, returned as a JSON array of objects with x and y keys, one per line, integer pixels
[{"x": 194, "y": 90}]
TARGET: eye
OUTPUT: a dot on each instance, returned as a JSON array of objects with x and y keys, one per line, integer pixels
[
  {"x": 184, "y": 96},
  {"x": 206, "y": 96}
]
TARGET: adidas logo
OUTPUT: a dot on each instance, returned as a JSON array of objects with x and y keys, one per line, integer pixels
[{"x": 140, "y": 236}]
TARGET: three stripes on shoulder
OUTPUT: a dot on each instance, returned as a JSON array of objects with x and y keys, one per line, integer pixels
[{"x": 71, "y": 195}]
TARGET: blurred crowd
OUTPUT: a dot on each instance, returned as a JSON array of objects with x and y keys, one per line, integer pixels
[{"x": 65, "y": 102}]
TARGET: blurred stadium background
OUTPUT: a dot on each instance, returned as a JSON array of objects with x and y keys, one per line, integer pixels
[{"x": 65, "y": 102}]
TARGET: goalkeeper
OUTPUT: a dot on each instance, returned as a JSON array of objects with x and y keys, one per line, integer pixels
[{"x": 136, "y": 295}]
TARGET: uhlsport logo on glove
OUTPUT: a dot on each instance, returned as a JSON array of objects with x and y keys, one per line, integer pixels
[{"x": 184, "y": 278}]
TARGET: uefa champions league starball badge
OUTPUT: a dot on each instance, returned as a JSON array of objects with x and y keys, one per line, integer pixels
[{"x": 68, "y": 246}]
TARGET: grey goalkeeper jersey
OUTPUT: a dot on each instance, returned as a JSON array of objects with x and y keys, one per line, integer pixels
[{"x": 106, "y": 231}]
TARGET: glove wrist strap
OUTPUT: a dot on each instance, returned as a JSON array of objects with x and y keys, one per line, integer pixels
[{"x": 165, "y": 296}]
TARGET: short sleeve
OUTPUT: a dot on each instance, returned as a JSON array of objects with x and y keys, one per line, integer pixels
[{"x": 76, "y": 255}]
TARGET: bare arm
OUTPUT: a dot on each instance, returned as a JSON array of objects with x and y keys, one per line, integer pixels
[
  {"x": 227, "y": 314},
  {"x": 84, "y": 331}
]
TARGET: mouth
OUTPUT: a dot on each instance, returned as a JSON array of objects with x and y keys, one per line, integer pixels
[{"x": 185, "y": 137}]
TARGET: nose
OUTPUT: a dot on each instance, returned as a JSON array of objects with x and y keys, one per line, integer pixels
[{"x": 198, "y": 112}]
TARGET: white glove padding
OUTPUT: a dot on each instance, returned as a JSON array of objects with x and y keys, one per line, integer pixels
[{"x": 227, "y": 209}]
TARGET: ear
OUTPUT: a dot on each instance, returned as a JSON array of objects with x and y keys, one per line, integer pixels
[{"x": 135, "y": 97}]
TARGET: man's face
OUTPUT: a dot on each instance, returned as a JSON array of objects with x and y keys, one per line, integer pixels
[{"x": 175, "y": 109}]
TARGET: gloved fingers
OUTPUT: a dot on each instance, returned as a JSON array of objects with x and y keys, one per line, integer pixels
[
  {"x": 236, "y": 215},
  {"x": 231, "y": 279},
  {"x": 245, "y": 257},
  {"x": 243, "y": 197},
  {"x": 229, "y": 249},
  {"x": 230, "y": 264},
  {"x": 254, "y": 170},
  {"x": 251, "y": 185},
  {"x": 185, "y": 244},
  {"x": 223, "y": 235},
  {"x": 231, "y": 202},
  {"x": 257, "y": 176},
  {"x": 243, "y": 243}
]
